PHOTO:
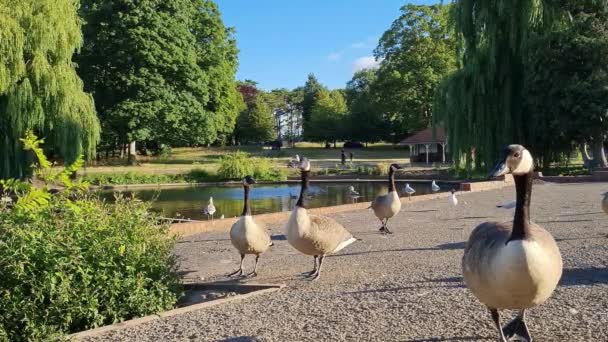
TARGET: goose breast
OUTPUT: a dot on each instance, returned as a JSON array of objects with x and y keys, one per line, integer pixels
[
  {"x": 316, "y": 235},
  {"x": 248, "y": 237},
  {"x": 387, "y": 206},
  {"x": 514, "y": 275}
]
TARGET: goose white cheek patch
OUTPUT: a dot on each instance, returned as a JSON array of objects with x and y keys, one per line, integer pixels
[{"x": 525, "y": 165}]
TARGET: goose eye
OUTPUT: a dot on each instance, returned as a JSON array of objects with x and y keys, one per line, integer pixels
[{"x": 516, "y": 155}]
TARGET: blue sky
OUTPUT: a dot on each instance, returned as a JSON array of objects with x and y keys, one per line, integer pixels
[{"x": 282, "y": 41}]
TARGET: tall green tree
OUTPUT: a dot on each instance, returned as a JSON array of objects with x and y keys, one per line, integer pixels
[
  {"x": 327, "y": 117},
  {"x": 160, "y": 71},
  {"x": 482, "y": 103},
  {"x": 366, "y": 121},
  {"x": 256, "y": 123},
  {"x": 311, "y": 89},
  {"x": 417, "y": 53},
  {"x": 567, "y": 84},
  {"x": 39, "y": 87}
]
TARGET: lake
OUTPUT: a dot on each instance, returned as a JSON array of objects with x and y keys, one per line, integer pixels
[{"x": 188, "y": 202}]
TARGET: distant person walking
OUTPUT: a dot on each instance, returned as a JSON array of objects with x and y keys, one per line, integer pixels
[
  {"x": 343, "y": 156},
  {"x": 350, "y": 154}
]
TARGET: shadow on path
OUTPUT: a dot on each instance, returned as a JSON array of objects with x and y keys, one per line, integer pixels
[
  {"x": 584, "y": 276},
  {"x": 454, "y": 338},
  {"x": 444, "y": 246}
]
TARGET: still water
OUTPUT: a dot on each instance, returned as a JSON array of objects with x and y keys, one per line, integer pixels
[{"x": 265, "y": 198}]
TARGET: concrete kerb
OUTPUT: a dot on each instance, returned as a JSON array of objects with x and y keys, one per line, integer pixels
[
  {"x": 257, "y": 290},
  {"x": 189, "y": 228}
]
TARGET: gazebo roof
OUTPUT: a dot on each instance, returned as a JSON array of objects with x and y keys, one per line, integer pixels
[{"x": 425, "y": 137}]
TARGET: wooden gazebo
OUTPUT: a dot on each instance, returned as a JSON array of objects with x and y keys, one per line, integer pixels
[{"x": 426, "y": 148}]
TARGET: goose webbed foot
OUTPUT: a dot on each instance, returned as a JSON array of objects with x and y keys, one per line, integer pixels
[
  {"x": 315, "y": 276},
  {"x": 236, "y": 273},
  {"x": 385, "y": 230},
  {"x": 517, "y": 330},
  {"x": 252, "y": 274}
]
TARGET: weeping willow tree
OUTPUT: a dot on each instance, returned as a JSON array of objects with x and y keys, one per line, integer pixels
[
  {"x": 481, "y": 104},
  {"x": 39, "y": 87}
]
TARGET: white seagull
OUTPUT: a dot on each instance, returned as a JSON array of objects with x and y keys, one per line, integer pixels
[
  {"x": 452, "y": 199},
  {"x": 209, "y": 210},
  {"x": 435, "y": 187},
  {"x": 409, "y": 190},
  {"x": 352, "y": 193}
]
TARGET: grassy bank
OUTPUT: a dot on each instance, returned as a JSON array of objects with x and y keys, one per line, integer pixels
[{"x": 194, "y": 165}]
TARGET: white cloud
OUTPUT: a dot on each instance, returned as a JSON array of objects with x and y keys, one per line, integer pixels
[
  {"x": 367, "y": 62},
  {"x": 334, "y": 56}
]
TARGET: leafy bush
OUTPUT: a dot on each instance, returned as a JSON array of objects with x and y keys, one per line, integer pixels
[
  {"x": 235, "y": 166},
  {"x": 382, "y": 169},
  {"x": 71, "y": 262},
  {"x": 165, "y": 152}
]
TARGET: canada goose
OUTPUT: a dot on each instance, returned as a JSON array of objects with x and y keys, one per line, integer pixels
[
  {"x": 352, "y": 193},
  {"x": 246, "y": 236},
  {"x": 209, "y": 210},
  {"x": 435, "y": 187},
  {"x": 409, "y": 190},
  {"x": 512, "y": 265},
  {"x": 507, "y": 205},
  {"x": 312, "y": 234},
  {"x": 452, "y": 198},
  {"x": 387, "y": 206}
]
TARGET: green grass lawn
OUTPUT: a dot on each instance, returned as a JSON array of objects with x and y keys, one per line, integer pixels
[{"x": 183, "y": 160}]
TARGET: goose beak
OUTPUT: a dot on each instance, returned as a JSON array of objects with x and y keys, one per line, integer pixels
[{"x": 500, "y": 169}]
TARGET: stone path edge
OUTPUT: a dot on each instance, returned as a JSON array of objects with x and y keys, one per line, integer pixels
[{"x": 178, "y": 311}]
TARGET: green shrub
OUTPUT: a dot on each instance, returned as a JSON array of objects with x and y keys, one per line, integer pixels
[
  {"x": 235, "y": 166},
  {"x": 71, "y": 262},
  {"x": 382, "y": 169},
  {"x": 265, "y": 170},
  {"x": 126, "y": 178}
]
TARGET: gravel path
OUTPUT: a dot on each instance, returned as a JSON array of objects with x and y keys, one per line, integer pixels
[{"x": 404, "y": 287}]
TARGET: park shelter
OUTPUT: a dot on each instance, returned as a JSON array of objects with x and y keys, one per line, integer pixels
[{"x": 426, "y": 147}]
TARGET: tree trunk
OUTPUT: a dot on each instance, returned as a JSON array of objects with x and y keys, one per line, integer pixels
[
  {"x": 132, "y": 160},
  {"x": 587, "y": 162},
  {"x": 599, "y": 157}
]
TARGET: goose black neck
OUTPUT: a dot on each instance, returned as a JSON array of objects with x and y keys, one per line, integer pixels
[
  {"x": 247, "y": 205},
  {"x": 302, "y": 200},
  {"x": 391, "y": 180},
  {"x": 521, "y": 221}
]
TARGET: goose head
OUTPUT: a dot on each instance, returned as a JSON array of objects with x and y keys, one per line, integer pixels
[
  {"x": 453, "y": 191},
  {"x": 248, "y": 180},
  {"x": 351, "y": 188},
  {"x": 395, "y": 167},
  {"x": 514, "y": 159}
]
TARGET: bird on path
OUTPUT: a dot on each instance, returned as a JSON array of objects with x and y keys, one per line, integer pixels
[
  {"x": 314, "y": 235},
  {"x": 515, "y": 265},
  {"x": 246, "y": 235},
  {"x": 388, "y": 205}
]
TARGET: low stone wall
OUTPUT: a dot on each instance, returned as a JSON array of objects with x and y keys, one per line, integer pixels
[{"x": 189, "y": 228}]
